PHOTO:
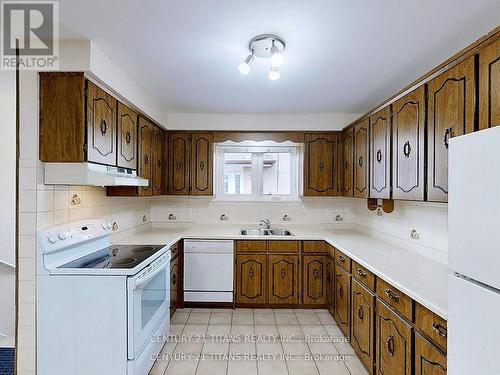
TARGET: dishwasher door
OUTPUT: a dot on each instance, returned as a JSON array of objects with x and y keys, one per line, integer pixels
[{"x": 208, "y": 270}]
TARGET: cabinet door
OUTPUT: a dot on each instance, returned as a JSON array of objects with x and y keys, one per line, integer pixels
[
  {"x": 347, "y": 166},
  {"x": 363, "y": 327},
  {"x": 330, "y": 287},
  {"x": 101, "y": 126},
  {"x": 408, "y": 126},
  {"x": 450, "y": 107},
  {"x": 320, "y": 164},
  {"x": 251, "y": 278},
  {"x": 146, "y": 130},
  {"x": 174, "y": 284},
  {"x": 201, "y": 164},
  {"x": 283, "y": 279},
  {"x": 314, "y": 280},
  {"x": 342, "y": 299},
  {"x": 159, "y": 161},
  {"x": 393, "y": 337},
  {"x": 428, "y": 359},
  {"x": 380, "y": 154},
  {"x": 127, "y": 137},
  {"x": 361, "y": 159},
  {"x": 178, "y": 148},
  {"x": 489, "y": 85}
]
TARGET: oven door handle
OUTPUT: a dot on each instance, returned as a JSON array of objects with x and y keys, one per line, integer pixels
[{"x": 145, "y": 278}]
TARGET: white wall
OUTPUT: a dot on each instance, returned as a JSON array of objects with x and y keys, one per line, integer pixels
[{"x": 252, "y": 122}]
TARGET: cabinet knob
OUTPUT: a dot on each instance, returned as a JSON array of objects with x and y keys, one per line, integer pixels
[
  {"x": 178, "y": 164},
  {"x": 341, "y": 292},
  {"x": 346, "y": 164},
  {"x": 379, "y": 156},
  {"x": 407, "y": 149},
  {"x": 360, "y": 161},
  {"x": 360, "y": 312},
  {"x": 104, "y": 127},
  {"x": 316, "y": 274},
  {"x": 146, "y": 159},
  {"x": 128, "y": 137},
  {"x": 390, "y": 345},
  {"x": 441, "y": 331},
  {"x": 447, "y": 135},
  {"x": 392, "y": 295},
  {"x": 174, "y": 279},
  {"x": 250, "y": 273},
  {"x": 283, "y": 273},
  {"x": 321, "y": 165},
  {"x": 361, "y": 272},
  {"x": 202, "y": 165}
]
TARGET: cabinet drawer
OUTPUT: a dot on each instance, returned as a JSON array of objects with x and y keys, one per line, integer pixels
[
  {"x": 283, "y": 246},
  {"x": 314, "y": 246},
  {"x": 428, "y": 359},
  {"x": 400, "y": 301},
  {"x": 366, "y": 277},
  {"x": 431, "y": 325},
  {"x": 343, "y": 260},
  {"x": 251, "y": 246}
]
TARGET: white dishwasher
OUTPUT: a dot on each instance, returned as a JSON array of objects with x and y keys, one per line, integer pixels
[{"x": 208, "y": 270}]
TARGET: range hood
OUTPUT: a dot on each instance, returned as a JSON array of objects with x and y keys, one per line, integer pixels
[{"x": 91, "y": 174}]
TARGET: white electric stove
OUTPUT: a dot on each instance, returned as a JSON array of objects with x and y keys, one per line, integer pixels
[{"x": 101, "y": 308}]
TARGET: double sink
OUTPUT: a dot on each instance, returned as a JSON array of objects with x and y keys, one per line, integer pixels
[{"x": 265, "y": 232}]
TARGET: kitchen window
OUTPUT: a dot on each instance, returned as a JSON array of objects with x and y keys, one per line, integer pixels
[{"x": 258, "y": 171}]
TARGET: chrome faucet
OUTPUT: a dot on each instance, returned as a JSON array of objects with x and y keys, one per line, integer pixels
[{"x": 266, "y": 223}]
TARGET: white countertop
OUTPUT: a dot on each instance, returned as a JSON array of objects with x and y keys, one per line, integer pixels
[{"x": 421, "y": 278}]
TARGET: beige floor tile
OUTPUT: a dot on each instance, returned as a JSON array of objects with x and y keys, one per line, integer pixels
[
  {"x": 176, "y": 329},
  {"x": 297, "y": 348},
  {"x": 242, "y": 311},
  {"x": 220, "y": 318},
  {"x": 211, "y": 367},
  {"x": 286, "y": 319},
  {"x": 264, "y": 319},
  {"x": 195, "y": 329},
  {"x": 314, "y": 330},
  {"x": 272, "y": 367},
  {"x": 179, "y": 317},
  {"x": 322, "y": 348},
  {"x": 242, "y": 329},
  {"x": 188, "y": 347},
  {"x": 304, "y": 311},
  {"x": 184, "y": 310},
  {"x": 201, "y": 309},
  {"x": 321, "y": 311},
  {"x": 301, "y": 367},
  {"x": 333, "y": 330},
  {"x": 180, "y": 367},
  {"x": 332, "y": 368},
  {"x": 262, "y": 311},
  {"x": 199, "y": 317},
  {"x": 242, "y": 319},
  {"x": 283, "y": 311},
  {"x": 307, "y": 319},
  {"x": 355, "y": 366},
  {"x": 163, "y": 360},
  {"x": 222, "y": 311},
  {"x": 219, "y": 329},
  {"x": 210, "y": 347},
  {"x": 242, "y": 348},
  {"x": 344, "y": 347},
  {"x": 326, "y": 318},
  {"x": 290, "y": 330},
  {"x": 242, "y": 368},
  {"x": 274, "y": 347},
  {"x": 266, "y": 330}
]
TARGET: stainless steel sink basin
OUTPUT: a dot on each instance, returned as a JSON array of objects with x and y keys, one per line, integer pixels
[{"x": 266, "y": 232}]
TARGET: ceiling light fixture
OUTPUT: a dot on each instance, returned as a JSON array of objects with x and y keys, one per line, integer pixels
[{"x": 265, "y": 46}]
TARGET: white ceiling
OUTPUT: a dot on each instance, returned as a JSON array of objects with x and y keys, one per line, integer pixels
[{"x": 341, "y": 56}]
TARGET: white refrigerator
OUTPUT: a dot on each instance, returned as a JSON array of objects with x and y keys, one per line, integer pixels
[{"x": 474, "y": 254}]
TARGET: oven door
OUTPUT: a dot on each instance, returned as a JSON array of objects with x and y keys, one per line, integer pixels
[{"x": 148, "y": 304}]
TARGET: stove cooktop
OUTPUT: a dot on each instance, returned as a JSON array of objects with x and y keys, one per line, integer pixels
[{"x": 118, "y": 256}]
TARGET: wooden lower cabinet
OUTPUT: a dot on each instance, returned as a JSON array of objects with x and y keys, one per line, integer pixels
[
  {"x": 362, "y": 323},
  {"x": 314, "y": 280},
  {"x": 283, "y": 279},
  {"x": 428, "y": 359},
  {"x": 176, "y": 290},
  {"x": 393, "y": 342},
  {"x": 251, "y": 271},
  {"x": 342, "y": 298},
  {"x": 330, "y": 285}
]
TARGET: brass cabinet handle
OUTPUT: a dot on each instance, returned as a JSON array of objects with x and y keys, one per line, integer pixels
[
  {"x": 379, "y": 156},
  {"x": 392, "y": 295},
  {"x": 407, "y": 149},
  {"x": 104, "y": 127},
  {"x": 321, "y": 165},
  {"x": 128, "y": 137},
  {"x": 361, "y": 272},
  {"x": 360, "y": 312},
  {"x": 447, "y": 135},
  {"x": 283, "y": 273},
  {"x": 250, "y": 273},
  {"x": 202, "y": 165},
  {"x": 439, "y": 329},
  {"x": 178, "y": 164},
  {"x": 346, "y": 164},
  {"x": 341, "y": 258},
  {"x": 316, "y": 274},
  {"x": 390, "y": 345},
  {"x": 360, "y": 161},
  {"x": 341, "y": 292},
  {"x": 146, "y": 159},
  {"x": 174, "y": 279}
]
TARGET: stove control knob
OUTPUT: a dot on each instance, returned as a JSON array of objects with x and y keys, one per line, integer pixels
[
  {"x": 104, "y": 226},
  {"x": 52, "y": 239},
  {"x": 62, "y": 236},
  {"x": 109, "y": 225}
]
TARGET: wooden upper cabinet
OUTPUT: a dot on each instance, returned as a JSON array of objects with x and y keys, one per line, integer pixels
[
  {"x": 101, "y": 125},
  {"x": 283, "y": 279},
  {"x": 380, "y": 154},
  {"x": 179, "y": 152},
  {"x": 363, "y": 327},
  {"x": 127, "y": 137},
  {"x": 201, "y": 164},
  {"x": 314, "y": 280},
  {"x": 361, "y": 158},
  {"x": 450, "y": 113},
  {"x": 158, "y": 166},
  {"x": 145, "y": 154},
  {"x": 489, "y": 85},
  {"x": 346, "y": 165},
  {"x": 251, "y": 278},
  {"x": 408, "y": 132},
  {"x": 320, "y": 164}
]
